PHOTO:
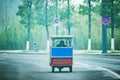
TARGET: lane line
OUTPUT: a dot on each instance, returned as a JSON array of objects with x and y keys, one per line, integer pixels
[
  {"x": 110, "y": 71},
  {"x": 100, "y": 68}
]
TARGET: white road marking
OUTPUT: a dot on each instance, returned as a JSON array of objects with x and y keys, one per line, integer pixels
[
  {"x": 110, "y": 71},
  {"x": 100, "y": 68}
]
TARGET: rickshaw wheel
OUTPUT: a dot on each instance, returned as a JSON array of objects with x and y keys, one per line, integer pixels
[
  {"x": 59, "y": 70},
  {"x": 70, "y": 68},
  {"x": 52, "y": 69}
]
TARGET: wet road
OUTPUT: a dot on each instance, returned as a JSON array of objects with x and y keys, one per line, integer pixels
[{"x": 36, "y": 67}]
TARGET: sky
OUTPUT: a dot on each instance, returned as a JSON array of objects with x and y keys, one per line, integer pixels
[{"x": 76, "y": 2}]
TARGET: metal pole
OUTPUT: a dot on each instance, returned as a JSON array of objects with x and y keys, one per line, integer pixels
[
  {"x": 104, "y": 39},
  {"x": 89, "y": 25},
  {"x": 56, "y": 17},
  {"x": 104, "y": 30},
  {"x": 29, "y": 17}
]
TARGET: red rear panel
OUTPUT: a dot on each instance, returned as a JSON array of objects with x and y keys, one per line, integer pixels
[{"x": 61, "y": 62}]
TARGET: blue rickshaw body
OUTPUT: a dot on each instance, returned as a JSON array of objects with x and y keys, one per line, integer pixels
[{"x": 62, "y": 52}]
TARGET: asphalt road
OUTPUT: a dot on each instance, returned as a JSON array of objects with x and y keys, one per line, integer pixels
[{"x": 36, "y": 67}]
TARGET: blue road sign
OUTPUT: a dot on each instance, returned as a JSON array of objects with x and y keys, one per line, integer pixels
[
  {"x": 105, "y": 20},
  {"x": 56, "y": 20}
]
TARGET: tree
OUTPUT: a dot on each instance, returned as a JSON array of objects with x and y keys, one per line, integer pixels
[
  {"x": 86, "y": 10},
  {"x": 23, "y": 11},
  {"x": 7, "y": 13}
]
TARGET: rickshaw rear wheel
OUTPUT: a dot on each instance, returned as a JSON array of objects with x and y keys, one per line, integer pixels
[
  {"x": 70, "y": 68},
  {"x": 53, "y": 69},
  {"x": 59, "y": 69}
]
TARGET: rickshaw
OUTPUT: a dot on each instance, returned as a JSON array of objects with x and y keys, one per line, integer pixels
[{"x": 61, "y": 52}]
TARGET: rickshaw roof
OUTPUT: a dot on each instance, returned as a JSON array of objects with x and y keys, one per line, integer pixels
[{"x": 61, "y": 36}]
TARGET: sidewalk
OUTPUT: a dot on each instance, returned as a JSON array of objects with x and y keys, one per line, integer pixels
[
  {"x": 22, "y": 51},
  {"x": 95, "y": 51}
]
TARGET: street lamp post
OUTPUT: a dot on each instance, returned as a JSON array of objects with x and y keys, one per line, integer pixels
[{"x": 28, "y": 34}]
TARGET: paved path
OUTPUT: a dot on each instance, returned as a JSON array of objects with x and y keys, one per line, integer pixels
[{"x": 36, "y": 67}]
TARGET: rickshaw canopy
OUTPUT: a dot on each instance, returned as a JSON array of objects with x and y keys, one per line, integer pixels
[{"x": 61, "y": 41}]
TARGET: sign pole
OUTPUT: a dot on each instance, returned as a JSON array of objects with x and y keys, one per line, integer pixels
[
  {"x": 105, "y": 22},
  {"x": 56, "y": 22},
  {"x": 104, "y": 39},
  {"x": 56, "y": 19}
]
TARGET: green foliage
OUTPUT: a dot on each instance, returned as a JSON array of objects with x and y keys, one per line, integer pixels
[
  {"x": 40, "y": 12},
  {"x": 24, "y": 10},
  {"x": 7, "y": 13},
  {"x": 63, "y": 14},
  {"x": 117, "y": 38},
  {"x": 15, "y": 36},
  {"x": 83, "y": 10},
  {"x": 116, "y": 8}
]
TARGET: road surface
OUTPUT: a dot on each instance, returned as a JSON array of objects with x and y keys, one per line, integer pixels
[{"x": 36, "y": 67}]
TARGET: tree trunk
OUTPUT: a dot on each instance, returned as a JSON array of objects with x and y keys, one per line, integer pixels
[{"x": 47, "y": 31}]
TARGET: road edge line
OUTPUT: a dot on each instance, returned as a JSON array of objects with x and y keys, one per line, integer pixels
[
  {"x": 110, "y": 71},
  {"x": 102, "y": 68}
]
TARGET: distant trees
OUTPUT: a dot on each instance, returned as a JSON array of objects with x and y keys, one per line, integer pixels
[
  {"x": 7, "y": 13},
  {"x": 15, "y": 36}
]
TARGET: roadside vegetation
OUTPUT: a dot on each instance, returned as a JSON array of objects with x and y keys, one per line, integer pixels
[{"x": 14, "y": 22}]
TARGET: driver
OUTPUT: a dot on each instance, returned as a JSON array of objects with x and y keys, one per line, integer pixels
[{"x": 61, "y": 44}]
